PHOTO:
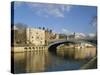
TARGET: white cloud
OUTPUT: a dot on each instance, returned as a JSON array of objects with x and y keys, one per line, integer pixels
[
  {"x": 17, "y": 4},
  {"x": 49, "y": 9},
  {"x": 66, "y": 31},
  {"x": 69, "y": 8},
  {"x": 46, "y": 9},
  {"x": 80, "y": 34},
  {"x": 92, "y": 34}
]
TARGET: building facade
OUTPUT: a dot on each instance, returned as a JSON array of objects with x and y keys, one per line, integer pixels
[
  {"x": 35, "y": 36},
  {"x": 32, "y": 36}
]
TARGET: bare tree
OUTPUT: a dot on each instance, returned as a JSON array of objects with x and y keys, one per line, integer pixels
[
  {"x": 94, "y": 21},
  {"x": 21, "y": 25},
  {"x": 19, "y": 33},
  {"x": 94, "y": 24}
]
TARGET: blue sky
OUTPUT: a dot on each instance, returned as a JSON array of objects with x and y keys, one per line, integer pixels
[{"x": 58, "y": 17}]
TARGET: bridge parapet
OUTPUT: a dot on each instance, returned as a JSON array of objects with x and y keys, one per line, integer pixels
[{"x": 72, "y": 41}]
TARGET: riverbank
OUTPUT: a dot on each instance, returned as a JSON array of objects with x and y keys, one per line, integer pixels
[
  {"x": 19, "y": 49},
  {"x": 92, "y": 64},
  {"x": 74, "y": 46}
]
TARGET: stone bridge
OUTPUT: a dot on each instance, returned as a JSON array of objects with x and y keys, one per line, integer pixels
[{"x": 53, "y": 44}]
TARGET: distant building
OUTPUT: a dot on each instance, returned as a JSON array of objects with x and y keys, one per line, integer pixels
[
  {"x": 80, "y": 36},
  {"x": 76, "y": 36},
  {"x": 49, "y": 36},
  {"x": 70, "y": 37},
  {"x": 57, "y": 36},
  {"x": 62, "y": 36}
]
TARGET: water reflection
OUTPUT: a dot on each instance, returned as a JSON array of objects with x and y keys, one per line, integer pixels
[
  {"x": 84, "y": 53},
  {"x": 42, "y": 60},
  {"x": 19, "y": 63},
  {"x": 34, "y": 61}
]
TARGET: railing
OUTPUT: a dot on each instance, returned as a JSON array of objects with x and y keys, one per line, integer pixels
[{"x": 89, "y": 41}]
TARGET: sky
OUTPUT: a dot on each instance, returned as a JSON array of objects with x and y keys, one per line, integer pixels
[{"x": 61, "y": 18}]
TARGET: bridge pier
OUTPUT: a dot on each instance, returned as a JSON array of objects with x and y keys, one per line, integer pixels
[{"x": 52, "y": 49}]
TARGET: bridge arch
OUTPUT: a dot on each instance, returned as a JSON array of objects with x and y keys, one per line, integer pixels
[{"x": 53, "y": 46}]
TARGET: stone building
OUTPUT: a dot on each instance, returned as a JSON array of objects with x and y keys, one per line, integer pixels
[
  {"x": 31, "y": 36},
  {"x": 35, "y": 36},
  {"x": 49, "y": 35},
  {"x": 39, "y": 36}
]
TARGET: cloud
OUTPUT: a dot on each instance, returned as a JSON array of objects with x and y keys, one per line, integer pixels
[
  {"x": 68, "y": 8},
  {"x": 45, "y": 9},
  {"x": 92, "y": 34},
  {"x": 17, "y": 4},
  {"x": 66, "y": 31}
]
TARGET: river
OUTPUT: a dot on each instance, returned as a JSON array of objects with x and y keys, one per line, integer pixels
[{"x": 45, "y": 61}]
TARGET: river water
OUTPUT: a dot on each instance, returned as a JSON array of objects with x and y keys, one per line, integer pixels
[{"x": 44, "y": 61}]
